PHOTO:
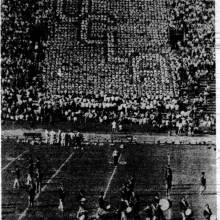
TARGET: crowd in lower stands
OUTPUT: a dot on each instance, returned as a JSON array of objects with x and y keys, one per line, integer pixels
[{"x": 24, "y": 37}]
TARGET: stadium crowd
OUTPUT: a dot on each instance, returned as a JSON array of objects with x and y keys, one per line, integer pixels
[
  {"x": 158, "y": 111},
  {"x": 194, "y": 56},
  {"x": 24, "y": 38}
]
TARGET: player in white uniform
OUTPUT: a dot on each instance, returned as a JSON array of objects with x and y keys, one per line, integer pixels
[
  {"x": 58, "y": 134},
  {"x": 46, "y": 136},
  {"x": 52, "y": 137},
  {"x": 63, "y": 139},
  {"x": 114, "y": 126}
]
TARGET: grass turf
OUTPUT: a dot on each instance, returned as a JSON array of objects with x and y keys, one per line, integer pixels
[{"x": 91, "y": 169}]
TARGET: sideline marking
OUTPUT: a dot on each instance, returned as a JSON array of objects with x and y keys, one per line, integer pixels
[
  {"x": 18, "y": 157},
  {"x": 23, "y": 214}
]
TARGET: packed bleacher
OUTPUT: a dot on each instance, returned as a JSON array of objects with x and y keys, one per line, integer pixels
[
  {"x": 156, "y": 91},
  {"x": 193, "y": 58},
  {"x": 24, "y": 40}
]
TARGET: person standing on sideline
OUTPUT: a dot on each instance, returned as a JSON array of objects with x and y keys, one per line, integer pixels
[
  {"x": 202, "y": 184},
  {"x": 169, "y": 178},
  {"x": 63, "y": 139},
  {"x": 17, "y": 177},
  {"x": 114, "y": 126}
]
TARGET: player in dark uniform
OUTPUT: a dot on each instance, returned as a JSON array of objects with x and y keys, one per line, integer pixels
[
  {"x": 39, "y": 178},
  {"x": 128, "y": 193},
  {"x": 32, "y": 193},
  {"x": 61, "y": 198},
  {"x": 82, "y": 213},
  {"x": 148, "y": 212},
  {"x": 115, "y": 156},
  {"x": 131, "y": 183},
  {"x": 67, "y": 139},
  {"x": 156, "y": 209},
  {"x": 136, "y": 207},
  {"x": 207, "y": 212},
  {"x": 184, "y": 205},
  {"x": 202, "y": 184},
  {"x": 122, "y": 209},
  {"x": 81, "y": 195},
  {"x": 31, "y": 167},
  {"x": 17, "y": 177},
  {"x": 168, "y": 178},
  {"x": 103, "y": 210},
  {"x": 125, "y": 194},
  {"x": 101, "y": 201},
  {"x": 79, "y": 139}
]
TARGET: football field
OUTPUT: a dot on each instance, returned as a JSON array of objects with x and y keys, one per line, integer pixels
[{"x": 90, "y": 168}]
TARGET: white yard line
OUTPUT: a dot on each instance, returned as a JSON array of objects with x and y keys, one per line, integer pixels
[
  {"x": 23, "y": 214},
  {"x": 111, "y": 178},
  {"x": 18, "y": 157}
]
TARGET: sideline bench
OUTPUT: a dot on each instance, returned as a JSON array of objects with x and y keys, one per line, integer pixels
[{"x": 32, "y": 136}]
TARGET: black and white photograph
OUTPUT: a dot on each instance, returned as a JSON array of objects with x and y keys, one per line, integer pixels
[{"x": 108, "y": 110}]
